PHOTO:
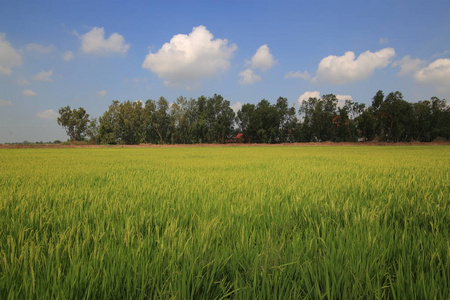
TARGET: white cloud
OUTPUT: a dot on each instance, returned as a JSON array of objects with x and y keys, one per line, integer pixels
[
  {"x": 236, "y": 107},
  {"x": 262, "y": 59},
  {"x": 436, "y": 74},
  {"x": 22, "y": 81},
  {"x": 316, "y": 94},
  {"x": 344, "y": 69},
  {"x": 94, "y": 42},
  {"x": 68, "y": 56},
  {"x": 444, "y": 53},
  {"x": 28, "y": 93},
  {"x": 342, "y": 98},
  {"x": 303, "y": 75},
  {"x": 190, "y": 58},
  {"x": 40, "y": 48},
  {"x": 383, "y": 41},
  {"x": 9, "y": 57},
  {"x": 44, "y": 76},
  {"x": 248, "y": 77},
  {"x": 5, "y": 102},
  {"x": 48, "y": 114},
  {"x": 101, "y": 93},
  {"x": 306, "y": 95},
  {"x": 139, "y": 80},
  {"x": 408, "y": 65}
]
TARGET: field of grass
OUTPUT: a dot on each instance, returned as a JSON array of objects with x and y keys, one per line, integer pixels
[{"x": 225, "y": 222}]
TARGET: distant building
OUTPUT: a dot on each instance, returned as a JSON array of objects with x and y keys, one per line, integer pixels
[{"x": 239, "y": 138}]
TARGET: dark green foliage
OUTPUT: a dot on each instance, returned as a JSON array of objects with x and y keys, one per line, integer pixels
[
  {"x": 75, "y": 122},
  {"x": 266, "y": 123},
  {"x": 212, "y": 120}
]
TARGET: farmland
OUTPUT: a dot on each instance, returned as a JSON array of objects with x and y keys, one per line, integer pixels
[{"x": 225, "y": 222}]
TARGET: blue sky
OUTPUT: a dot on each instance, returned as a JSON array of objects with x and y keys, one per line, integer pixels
[{"x": 88, "y": 53}]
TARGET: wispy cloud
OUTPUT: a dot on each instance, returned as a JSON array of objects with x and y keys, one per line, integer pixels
[
  {"x": 68, "y": 56},
  {"x": 48, "y": 114},
  {"x": 28, "y": 93},
  {"x": 40, "y": 48},
  {"x": 408, "y": 65},
  {"x": 302, "y": 75},
  {"x": 44, "y": 76},
  {"x": 5, "y": 102},
  {"x": 383, "y": 41},
  {"x": 101, "y": 93}
]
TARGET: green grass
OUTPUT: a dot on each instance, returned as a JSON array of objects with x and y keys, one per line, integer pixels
[{"x": 225, "y": 222}]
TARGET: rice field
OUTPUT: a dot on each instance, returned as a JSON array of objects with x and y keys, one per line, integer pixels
[{"x": 225, "y": 223}]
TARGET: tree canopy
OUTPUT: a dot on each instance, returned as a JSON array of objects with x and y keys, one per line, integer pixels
[
  {"x": 74, "y": 121},
  {"x": 212, "y": 120}
]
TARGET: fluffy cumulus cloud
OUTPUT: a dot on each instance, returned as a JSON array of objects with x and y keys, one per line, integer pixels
[
  {"x": 302, "y": 75},
  {"x": 9, "y": 57},
  {"x": 408, "y": 65},
  {"x": 68, "y": 56},
  {"x": 190, "y": 58},
  {"x": 28, "y": 93},
  {"x": 342, "y": 98},
  {"x": 248, "y": 77},
  {"x": 236, "y": 106},
  {"x": 306, "y": 95},
  {"x": 94, "y": 42},
  {"x": 44, "y": 76},
  {"x": 5, "y": 102},
  {"x": 101, "y": 93},
  {"x": 48, "y": 114},
  {"x": 262, "y": 59},
  {"x": 316, "y": 94},
  {"x": 436, "y": 74},
  {"x": 347, "y": 68}
]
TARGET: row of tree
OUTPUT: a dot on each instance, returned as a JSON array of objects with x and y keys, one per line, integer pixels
[{"x": 212, "y": 120}]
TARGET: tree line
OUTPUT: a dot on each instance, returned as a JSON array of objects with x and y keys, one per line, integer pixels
[{"x": 212, "y": 120}]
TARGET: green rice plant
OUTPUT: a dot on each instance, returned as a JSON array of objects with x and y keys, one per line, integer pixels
[{"x": 225, "y": 222}]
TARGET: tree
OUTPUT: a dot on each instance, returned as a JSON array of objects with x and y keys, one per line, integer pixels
[
  {"x": 149, "y": 122},
  {"x": 345, "y": 124},
  {"x": 123, "y": 123},
  {"x": 366, "y": 124},
  {"x": 288, "y": 121},
  {"x": 441, "y": 118},
  {"x": 131, "y": 122},
  {"x": 108, "y": 125},
  {"x": 219, "y": 119},
  {"x": 245, "y": 120},
  {"x": 162, "y": 121},
  {"x": 396, "y": 118},
  {"x": 75, "y": 122},
  {"x": 184, "y": 114},
  {"x": 267, "y": 121},
  {"x": 92, "y": 131},
  {"x": 200, "y": 126},
  {"x": 319, "y": 115}
]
